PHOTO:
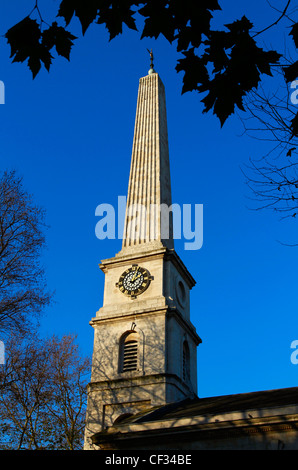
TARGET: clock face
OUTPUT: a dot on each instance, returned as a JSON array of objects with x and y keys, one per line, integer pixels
[{"x": 134, "y": 281}]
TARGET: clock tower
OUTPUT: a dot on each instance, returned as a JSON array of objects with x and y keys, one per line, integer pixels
[{"x": 144, "y": 343}]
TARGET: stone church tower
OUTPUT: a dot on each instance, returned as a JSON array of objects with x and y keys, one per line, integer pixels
[{"x": 144, "y": 343}]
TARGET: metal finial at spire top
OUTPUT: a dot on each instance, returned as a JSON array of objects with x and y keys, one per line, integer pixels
[
  {"x": 151, "y": 58},
  {"x": 151, "y": 62}
]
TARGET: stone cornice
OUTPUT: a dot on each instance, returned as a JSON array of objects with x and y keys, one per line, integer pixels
[{"x": 222, "y": 426}]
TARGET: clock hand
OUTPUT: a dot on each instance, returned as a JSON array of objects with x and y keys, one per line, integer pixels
[{"x": 134, "y": 276}]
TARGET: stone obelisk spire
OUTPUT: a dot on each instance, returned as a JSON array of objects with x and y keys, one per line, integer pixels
[{"x": 148, "y": 221}]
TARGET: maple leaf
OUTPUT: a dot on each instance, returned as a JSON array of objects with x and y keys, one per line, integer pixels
[
  {"x": 291, "y": 72},
  {"x": 23, "y": 37},
  {"x": 159, "y": 20},
  {"x": 39, "y": 55},
  {"x": 239, "y": 26},
  {"x": 294, "y": 126},
  {"x": 195, "y": 71},
  {"x": 24, "y": 40},
  {"x": 294, "y": 34},
  {"x": 85, "y": 10},
  {"x": 216, "y": 52},
  {"x": 58, "y": 37},
  {"x": 289, "y": 152},
  {"x": 192, "y": 20},
  {"x": 120, "y": 12},
  {"x": 223, "y": 96},
  {"x": 236, "y": 67}
]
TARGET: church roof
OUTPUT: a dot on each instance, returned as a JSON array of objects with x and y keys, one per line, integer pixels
[
  {"x": 218, "y": 404},
  {"x": 205, "y": 419}
]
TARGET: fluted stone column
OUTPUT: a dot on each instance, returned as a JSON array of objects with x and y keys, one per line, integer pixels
[{"x": 148, "y": 220}]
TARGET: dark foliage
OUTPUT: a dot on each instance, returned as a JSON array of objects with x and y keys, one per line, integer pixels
[{"x": 223, "y": 65}]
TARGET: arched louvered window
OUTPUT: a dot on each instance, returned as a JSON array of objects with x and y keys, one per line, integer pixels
[
  {"x": 129, "y": 352},
  {"x": 186, "y": 362}
]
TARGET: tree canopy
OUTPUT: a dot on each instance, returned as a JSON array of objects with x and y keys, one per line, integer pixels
[
  {"x": 228, "y": 66},
  {"x": 224, "y": 65},
  {"x": 43, "y": 393},
  {"x": 23, "y": 291}
]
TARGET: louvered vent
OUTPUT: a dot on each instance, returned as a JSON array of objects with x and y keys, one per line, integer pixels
[{"x": 130, "y": 355}]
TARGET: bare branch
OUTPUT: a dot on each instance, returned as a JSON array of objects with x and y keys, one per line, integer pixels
[
  {"x": 283, "y": 14},
  {"x": 22, "y": 279}
]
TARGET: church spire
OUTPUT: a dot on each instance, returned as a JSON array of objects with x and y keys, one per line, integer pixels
[
  {"x": 148, "y": 221},
  {"x": 144, "y": 343}
]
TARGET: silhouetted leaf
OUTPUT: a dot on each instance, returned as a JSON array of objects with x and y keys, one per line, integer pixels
[
  {"x": 41, "y": 54},
  {"x": 23, "y": 37},
  {"x": 289, "y": 152},
  {"x": 294, "y": 126},
  {"x": 218, "y": 46},
  {"x": 159, "y": 20},
  {"x": 114, "y": 17},
  {"x": 294, "y": 33},
  {"x": 191, "y": 20},
  {"x": 58, "y": 37},
  {"x": 223, "y": 96},
  {"x": 195, "y": 71},
  {"x": 24, "y": 40},
  {"x": 239, "y": 26},
  {"x": 226, "y": 66},
  {"x": 85, "y": 10},
  {"x": 67, "y": 10},
  {"x": 235, "y": 64},
  {"x": 291, "y": 72},
  {"x": 264, "y": 60}
]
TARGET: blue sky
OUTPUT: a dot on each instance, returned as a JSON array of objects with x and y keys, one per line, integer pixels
[{"x": 69, "y": 133}]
